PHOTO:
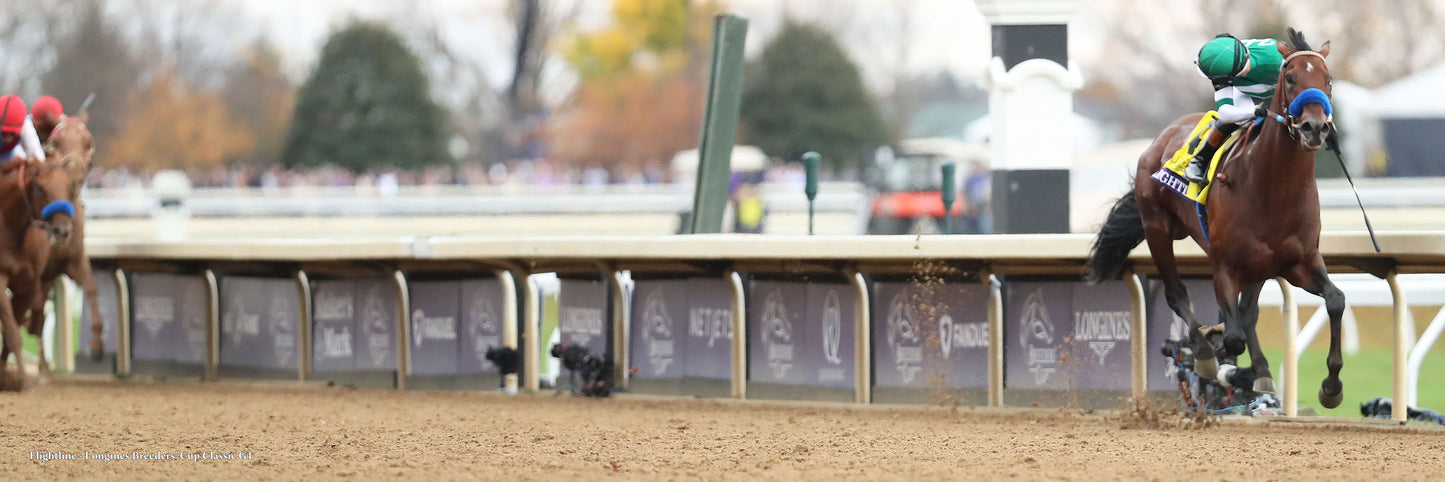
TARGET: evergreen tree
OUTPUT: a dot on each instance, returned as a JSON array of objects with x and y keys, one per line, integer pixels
[
  {"x": 367, "y": 106},
  {"x": 804, "y": 94}
]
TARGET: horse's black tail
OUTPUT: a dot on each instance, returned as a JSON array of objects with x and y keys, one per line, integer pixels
[{"x": 1120, "y": 234}]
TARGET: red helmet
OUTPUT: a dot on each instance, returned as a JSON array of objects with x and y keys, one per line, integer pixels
[
  {"x": 46, "y": 107},
  {"x": 12, "y": 114}
]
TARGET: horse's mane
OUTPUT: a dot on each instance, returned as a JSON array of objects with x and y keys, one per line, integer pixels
[{"x": 1297, "y": 40}]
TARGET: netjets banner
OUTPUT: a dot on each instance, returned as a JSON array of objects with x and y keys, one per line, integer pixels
[
  {"x": 930, "y": 335},
  {"x": 681, "y": 327},
  {"x": 801, "y": 333},
  {"x": 259, "y": 319},
  {"x": 1063, "y": 335}
]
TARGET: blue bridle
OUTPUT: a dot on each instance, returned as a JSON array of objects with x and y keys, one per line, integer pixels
[{"x": 57, "y": 207}]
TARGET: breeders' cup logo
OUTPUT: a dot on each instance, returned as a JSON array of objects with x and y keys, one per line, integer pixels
[
  {"x": 903, "y": 337},
  {"x": 657, "y": 332},
  {"x": 777, "y": 335},
  {"x": 193, "y": 319},
  {"x": 154, "y": 313},
  {"x": 484, "y": 327},
  {"x": 1037, "y": 338},
  {"x": 238, "y": 324},
  {"x": 283, "y": 330},
  {"x": 832, "y": 327},
  {"x": 377, "y": 326}
]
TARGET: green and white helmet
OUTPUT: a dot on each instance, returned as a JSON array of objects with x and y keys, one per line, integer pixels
[{"x": 1223, "y": 58}]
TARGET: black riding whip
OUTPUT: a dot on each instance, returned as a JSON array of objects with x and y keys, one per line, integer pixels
[{"x": 1333, "y": 141}]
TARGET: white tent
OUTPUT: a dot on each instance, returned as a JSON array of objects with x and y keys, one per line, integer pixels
[
  {"x": 744, "y": 159},
  {"x": 1411, "y": 117}
]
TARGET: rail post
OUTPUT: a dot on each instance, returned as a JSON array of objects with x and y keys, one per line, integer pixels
[
  {"x": 995, "y": 340},
  {"x": 122, "y": 321},
  {"x": 740, "y": 336},
  {"x": 303, "y": 327},
  {"x": 403, "y": 329},
  {"x": 509, "y": 327},
  {"x": 1402, "y": 346},
  {"x": 862, "y": 339},
  {"x": 621, "y": 322},
  {"x": 1289, "y": 317},
  {"x": 1139, "y": 335},
  {"x": 64, "y": 332},
  {"x": 531, "y": 335},
  {"x": 213, "y": 327}
]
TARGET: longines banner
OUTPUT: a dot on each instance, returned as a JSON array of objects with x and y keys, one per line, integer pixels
[
  {"x": 169, "y": 317},
  {"x": 1165, "y": 325},
  {"x": 928, "y": 334},
  {"x": 801, "y": 333},
  {"x": 259, "y": 322},
  {"x": 1063, "y": 335},
  {"x": 354, "y": 325},
  {"x": 105, "y": 287},
  {"x": 681, "y": 327},
  {"x": 582, "y": 315}
]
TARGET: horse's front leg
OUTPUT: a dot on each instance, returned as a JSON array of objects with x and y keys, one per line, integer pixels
[
  {"x": 11, "y": 331},
  {"x": 1249, "y": 318},
  {"x": 1313, "y": 277},
  {"x": 1226, "y": 292},
  {"x": 79, "y": 270}
]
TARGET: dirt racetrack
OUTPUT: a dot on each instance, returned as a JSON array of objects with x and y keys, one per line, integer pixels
[{"x": 296, "y": 432}]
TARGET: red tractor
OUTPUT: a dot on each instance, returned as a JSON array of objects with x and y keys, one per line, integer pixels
[{"x": 905, "y": 186}]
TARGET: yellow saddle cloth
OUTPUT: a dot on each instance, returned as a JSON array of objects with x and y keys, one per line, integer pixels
[{"x": 1172, "y": 175}]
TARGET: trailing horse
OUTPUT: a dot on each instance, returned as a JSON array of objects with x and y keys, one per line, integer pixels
[
  {"x": 35, "y": 212},
  {"x": 1263, "y": 219}
]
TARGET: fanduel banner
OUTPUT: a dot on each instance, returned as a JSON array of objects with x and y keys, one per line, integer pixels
[
  {"x": 105, "y": 287},
  {"x": 928, "y": 334},
  {"x": 1165, "y": 325},
  {"x": 169, "y": 317},
  {"x": 801, "y": 334},
  {"x": 582, "y": 315},
  {"x": 259, "y": 320},
  {"x": 681, "y": 327},
  {"x": 1063, "y": 335},
  {"x": 435, "y": 310}
]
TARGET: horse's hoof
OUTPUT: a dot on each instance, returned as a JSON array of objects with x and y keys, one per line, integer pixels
[
  {"x": 1234, "y": 345},
  {"x": 96, "y": 354},
  {"x": 1206, "y": 368},
  {"x": 1264, "y": 385},
  {"x": 1331, "y": 393}
]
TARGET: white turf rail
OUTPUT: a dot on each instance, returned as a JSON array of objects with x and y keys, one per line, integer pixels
[{"x": 1063, "y": 254}]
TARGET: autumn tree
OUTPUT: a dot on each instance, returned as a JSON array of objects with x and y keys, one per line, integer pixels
[
  {"x": 367, "y": 104},
  {"x": 95, "y": 60},
  {"x": 804, "y": 94},
  {"x": 642, "y": 85},
  {"x": 259, "y": 96},
  {"x": 175, "y": 126}
]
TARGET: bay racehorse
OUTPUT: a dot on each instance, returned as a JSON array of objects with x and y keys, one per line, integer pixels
[
  {"x": 34, "y": 213},
  {"x": 1263, "y": 219}
]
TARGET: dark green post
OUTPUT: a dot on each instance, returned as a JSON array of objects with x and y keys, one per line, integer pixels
[
  {"x": 719, "y": 124},
  {"x": 950, "y": 193},
  {"x": 810, "y": 163}
]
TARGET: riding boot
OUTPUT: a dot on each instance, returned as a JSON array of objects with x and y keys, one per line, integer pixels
[{"x": 1199, "y": 166}]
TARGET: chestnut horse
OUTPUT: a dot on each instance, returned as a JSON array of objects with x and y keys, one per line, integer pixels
[
  {"x": 34, "y": 213},
  {"x": 1263, "y": 218},
  {"x": 70, "y": 147}
]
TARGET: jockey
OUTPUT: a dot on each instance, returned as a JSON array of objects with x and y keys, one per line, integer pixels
[
  {"x": 1244, "y": 73},
  {"x": 12, "y": 122},
  {"x": 45, "y": 114}
]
